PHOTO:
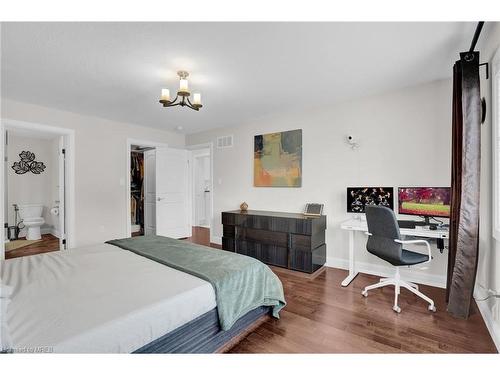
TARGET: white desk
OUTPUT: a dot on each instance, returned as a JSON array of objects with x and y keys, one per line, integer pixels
[{"x": 357, "y": 225}]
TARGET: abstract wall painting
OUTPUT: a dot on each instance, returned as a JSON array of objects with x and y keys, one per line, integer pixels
[{"x": 278, "y": 159}]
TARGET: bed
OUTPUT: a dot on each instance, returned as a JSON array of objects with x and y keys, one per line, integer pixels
[{"x": 146, "y": 295}]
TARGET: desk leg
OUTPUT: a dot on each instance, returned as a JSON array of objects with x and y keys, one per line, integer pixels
[{"x": 352, "y": 267}]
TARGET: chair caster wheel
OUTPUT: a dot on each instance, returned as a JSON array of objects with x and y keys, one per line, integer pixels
[
  {"x": 364, "y": 293},
  {"x": 432, "y": 308},
  {"x": 397, "y": 309}
]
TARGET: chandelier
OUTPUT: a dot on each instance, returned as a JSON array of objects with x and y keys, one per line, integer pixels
[{"x": 182, "y": 97}]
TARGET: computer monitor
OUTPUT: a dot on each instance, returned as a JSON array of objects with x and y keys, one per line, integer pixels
[
  {"x": 424, "y": 201},
  {"x": 359, "y": 197}
]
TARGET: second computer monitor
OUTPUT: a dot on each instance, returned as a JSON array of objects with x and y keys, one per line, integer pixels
[
  {"x": 359, "y": 197},
  {"x": 424, "y": 201}
]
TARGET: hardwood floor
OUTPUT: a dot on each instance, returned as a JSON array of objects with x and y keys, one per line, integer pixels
[
  {"x": 323, "y": 317},
  {"x": 49, "y": 243},
  {"x": 201, "y": 236}
]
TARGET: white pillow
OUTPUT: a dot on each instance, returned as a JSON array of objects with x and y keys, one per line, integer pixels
[{"x": 5, "y": 339}]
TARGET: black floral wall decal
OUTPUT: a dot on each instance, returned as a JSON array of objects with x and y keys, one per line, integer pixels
[{"x": 28, "y": 164}]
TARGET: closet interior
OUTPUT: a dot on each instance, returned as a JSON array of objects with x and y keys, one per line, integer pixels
[
  {"x": 142, "y": 190},
  {"x": 137, "y": 191}
]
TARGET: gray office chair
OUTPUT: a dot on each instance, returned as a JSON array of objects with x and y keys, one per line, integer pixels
[{"x": 384, "y": 241}]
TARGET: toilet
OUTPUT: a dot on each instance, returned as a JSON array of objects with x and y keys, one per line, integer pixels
[{"x": 31, "y": 215}]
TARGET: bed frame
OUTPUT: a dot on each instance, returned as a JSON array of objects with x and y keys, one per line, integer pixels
[{"x": 204, "y": 335}]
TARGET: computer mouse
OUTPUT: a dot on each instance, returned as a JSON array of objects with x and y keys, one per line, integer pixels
[{"x": 433, "y": 227}]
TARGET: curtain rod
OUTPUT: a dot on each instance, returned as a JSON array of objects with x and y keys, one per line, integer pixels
[
  {"x": 469, "y": 56},
  {"x": 479, "y": 27}
]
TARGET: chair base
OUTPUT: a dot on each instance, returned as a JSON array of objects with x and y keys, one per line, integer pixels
[{"x": 398, "y": 283}]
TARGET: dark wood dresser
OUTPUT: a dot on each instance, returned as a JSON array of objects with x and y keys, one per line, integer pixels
[{"x": 289, "y": 240}]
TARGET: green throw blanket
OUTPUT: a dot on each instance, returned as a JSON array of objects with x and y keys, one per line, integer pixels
[{"x": 241, "y": 283}]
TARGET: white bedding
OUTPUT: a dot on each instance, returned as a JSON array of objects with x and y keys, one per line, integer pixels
[{"x": 98, "y": 299}]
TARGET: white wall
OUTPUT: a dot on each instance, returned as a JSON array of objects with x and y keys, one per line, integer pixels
[
  {"x": 32, "y": 188},
  {"x": 100, "y": 162},
  {"x": 405, "y": 140}
]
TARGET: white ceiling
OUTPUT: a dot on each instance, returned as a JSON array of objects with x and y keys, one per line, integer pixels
[{"x": 243, "y": 70}]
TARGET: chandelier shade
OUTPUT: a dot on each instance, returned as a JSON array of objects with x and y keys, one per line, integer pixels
[{"x": 183, "y": 94}]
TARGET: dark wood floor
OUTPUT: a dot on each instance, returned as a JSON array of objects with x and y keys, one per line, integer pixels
[
  {"x": 201, "y": 235},
  {"x": 323, "y": 317},
  {"x": 49, "y": 243}
]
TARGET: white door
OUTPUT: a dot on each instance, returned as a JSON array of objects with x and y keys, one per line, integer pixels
[
  {"x": 62, "y": 194},
  {"x": 149, "y": 192},
  {"x": 172, "y": 198}
]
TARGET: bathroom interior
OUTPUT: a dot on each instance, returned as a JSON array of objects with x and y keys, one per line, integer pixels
[{"x": 32, "y": 193}]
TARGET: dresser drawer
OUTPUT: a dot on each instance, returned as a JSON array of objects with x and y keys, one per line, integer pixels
[
  {"x": 308, "y": 261},
  {"x": 262, "y": 236},
  {"x": 307, "y": 243},
  {"x": 299, "y": 225},
  {"x": 270, "y": 254},
  {"x": 228, "y": 231},
  {"x": 262, "y": 222},
  {"x": 228, "y": 244}
]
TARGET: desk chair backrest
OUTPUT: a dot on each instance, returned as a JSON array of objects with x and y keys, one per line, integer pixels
[{"x": 384, "y": 229}]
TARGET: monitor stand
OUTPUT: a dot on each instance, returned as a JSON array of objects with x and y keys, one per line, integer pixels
[{"x": 424, "y": 223}]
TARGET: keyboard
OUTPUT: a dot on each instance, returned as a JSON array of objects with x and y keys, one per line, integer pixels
[{"x": 407, "y": 224}]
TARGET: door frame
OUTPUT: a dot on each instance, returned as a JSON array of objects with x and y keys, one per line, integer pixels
[
  {"x": 194, "y": 163},
  {"x": 199, "y": 146},
  {"x": 136, "y": 142},
  {"x": 69, "y": 198}
]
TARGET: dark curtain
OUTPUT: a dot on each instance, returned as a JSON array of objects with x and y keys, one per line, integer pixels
[{"x": 465, "y": 176}]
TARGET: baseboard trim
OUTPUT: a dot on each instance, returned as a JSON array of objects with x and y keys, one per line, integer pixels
[
  {"x": 50, "y": 230},
  {"x": 413, "y": 275},
  {"x": 45, "y": 230},
  {"x": 55, "y": 233},
  {"x": 216, "y": 239},
  {"x": 492, "y": 325}
]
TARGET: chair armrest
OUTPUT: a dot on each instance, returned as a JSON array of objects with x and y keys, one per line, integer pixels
[{"x": 426, "y": 243}]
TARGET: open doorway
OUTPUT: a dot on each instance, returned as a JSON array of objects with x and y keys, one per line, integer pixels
[
  {"x": 34, "y": 189},
  {"x": 142, "y": 190},
  {"x": 201, "y": 188},
  {"x": 161, "y": 190}
]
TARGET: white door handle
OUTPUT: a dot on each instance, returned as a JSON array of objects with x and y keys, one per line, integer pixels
[{"x": 159, "y": 199}]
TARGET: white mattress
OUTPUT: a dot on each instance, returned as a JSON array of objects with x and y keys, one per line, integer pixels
[{"x": 98, "y": 299}]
